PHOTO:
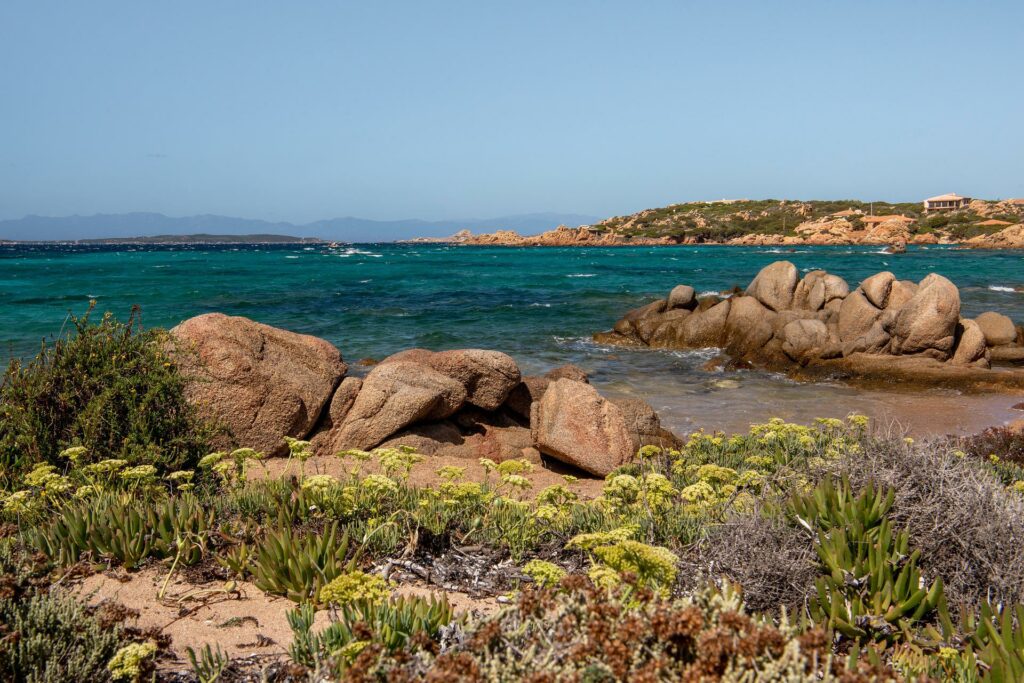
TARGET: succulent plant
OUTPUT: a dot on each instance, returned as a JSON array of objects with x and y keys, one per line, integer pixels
[
  {"x": 393, "y": 623},
  {"x": 298, "y": 566}
]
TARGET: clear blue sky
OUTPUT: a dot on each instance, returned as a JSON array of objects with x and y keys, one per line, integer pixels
[{"x": 304, "y": 110}]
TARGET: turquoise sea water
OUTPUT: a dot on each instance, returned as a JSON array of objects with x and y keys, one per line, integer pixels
[{"x": 538, "y": 304}]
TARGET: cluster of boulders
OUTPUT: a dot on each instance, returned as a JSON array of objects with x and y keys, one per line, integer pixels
[
  {"x": 783, "y": 320},
  {"x": 264, "y": 383}
]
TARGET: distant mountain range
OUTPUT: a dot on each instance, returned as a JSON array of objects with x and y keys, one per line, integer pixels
[{"x": 348, "y": 228}]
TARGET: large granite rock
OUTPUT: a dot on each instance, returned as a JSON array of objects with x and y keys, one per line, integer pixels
[
  {"x": 817, "y": 289},
  {"x": 856, "y": 316},
  {"x": 326, "y": 431},
  {"x": 748, "y": 326},
  {"x": 263, "y": 383},
  {"x": 576, "y": 425},
  {"x": 997, "y": 328},
  {"x": 395, "y": 395},
  {"x": 775, "y": 285},
  {"x": 927, "y": 323},
  {"x": 707, "y": 328},
  {"x": 876, "y": 288},
  {"x": 488, "y": 376},
  {"x": 682, "y": 296},
  {"x": 804, "y": 338},
  {"x": 532, "y": 388},
  {"x": 970, "y": 347}
]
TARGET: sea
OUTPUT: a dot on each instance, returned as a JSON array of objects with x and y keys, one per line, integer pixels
[{"x": 540, "y": 305}]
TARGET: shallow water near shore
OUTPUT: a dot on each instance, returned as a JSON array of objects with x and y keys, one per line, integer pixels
[{"x": 539, "y": 305}]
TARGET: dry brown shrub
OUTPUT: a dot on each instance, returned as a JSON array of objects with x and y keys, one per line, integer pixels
[
  {"x": 967, "y": 525},
  {"x": 773, "y": 561}
]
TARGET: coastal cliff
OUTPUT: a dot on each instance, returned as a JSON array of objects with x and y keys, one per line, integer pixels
[{"x": 980, "y": 224}]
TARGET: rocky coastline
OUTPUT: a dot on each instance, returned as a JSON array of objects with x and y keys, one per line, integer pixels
[
  {"x": 264, "y": 383},
  {"x": 981, "y": 225},
  {"x": 884, "y": 330}
]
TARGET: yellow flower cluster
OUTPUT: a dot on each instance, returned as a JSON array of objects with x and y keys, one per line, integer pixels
[
  {"x": 355, "y": 586},
  {"x": 544, "y": 574},
  {"x": 126, "y": 664}
]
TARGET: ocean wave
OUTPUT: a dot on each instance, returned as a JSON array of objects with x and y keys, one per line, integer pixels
[
  {"x": 1001, "y": 288},
  {"x": 533, "y": 305},
  {"x": 704, "y": 354},
  {"x": 582, "y": 275},
  {"x": 710, "y": 292},
  {"x": 291, "y": 257}
]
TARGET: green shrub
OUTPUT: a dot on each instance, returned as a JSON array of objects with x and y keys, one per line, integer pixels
[
  {"x": 107, "y": 386},
  {"x": 53, "y": 639}
]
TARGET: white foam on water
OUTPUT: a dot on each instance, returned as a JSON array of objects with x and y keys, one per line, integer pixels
[
  {"x": 582, "y": 275},
  {"x": 1000, "y": 288},
  {"x": 291, "y": 257}
]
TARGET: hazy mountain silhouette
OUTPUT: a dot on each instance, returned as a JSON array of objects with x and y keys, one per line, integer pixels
[{"x": 346, "y": 228}]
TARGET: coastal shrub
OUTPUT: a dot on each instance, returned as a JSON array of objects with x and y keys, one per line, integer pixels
[
  {"x": 107, "y": 386},
  {"x": 761, "y": 551},
  {"x": 1007, "y": 445},
  {"x": 872, "y": 589},
  {"x": 53, "y": 639},
  {"x": 958, "y": 513},
  {"x": 578, "y": 631}
]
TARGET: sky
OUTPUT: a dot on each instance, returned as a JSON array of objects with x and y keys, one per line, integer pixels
[{"x": 298, "y": 111}]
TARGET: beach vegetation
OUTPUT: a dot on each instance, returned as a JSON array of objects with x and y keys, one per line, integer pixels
[
  {"x": 828, "y": 551},
  {"x": 107, "y": 387}
]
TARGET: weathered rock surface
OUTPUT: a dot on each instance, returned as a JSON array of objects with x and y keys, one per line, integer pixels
[
  {"x": 997, "y": 328},
  {"x": 817, "y": 322},
  {"x": 575, "y": 424},
  {"x": 261, "y": 382},
  {"x": 488, "y": 376},
  {"x": 927, "y": 323},
  {"x": 395, "y": 395},
  {"x": 708, "y": 327},
  {"x": 856, "y": 316},
  {"x": 804, "y": 338},
  {"x": 682, "y": 296},
  {"x": 337, "y": 411},
  {"x": 900, "y": 293},
  {"x": 775, "y": 285},
  {"x": 876, "y": 288},
  {"x": 970, "y": 347}
]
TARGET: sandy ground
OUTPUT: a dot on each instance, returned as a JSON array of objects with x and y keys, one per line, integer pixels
[
  {"x": 243, "y": 621},
  {"x": 425, "y": 473}
]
